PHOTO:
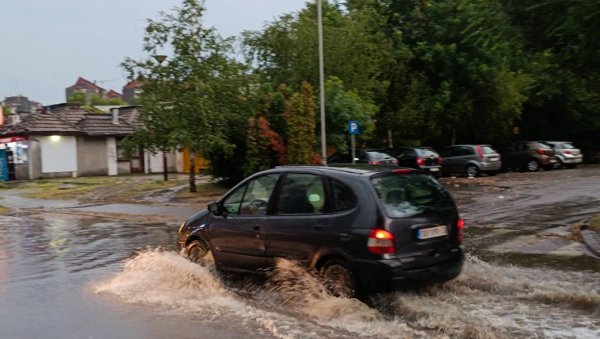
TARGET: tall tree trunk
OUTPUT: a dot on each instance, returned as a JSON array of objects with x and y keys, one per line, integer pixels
[
  {"x": 166, "y": 176},
  {"x": 192, "y": 171}
]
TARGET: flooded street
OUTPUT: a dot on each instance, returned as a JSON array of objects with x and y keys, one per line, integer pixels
[{"x": 69, "y": 274}]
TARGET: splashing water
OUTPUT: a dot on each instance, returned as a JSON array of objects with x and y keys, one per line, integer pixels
[{"x": 486, "y": 301}]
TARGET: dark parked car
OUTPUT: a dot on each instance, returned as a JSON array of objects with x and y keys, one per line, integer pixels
[
  {"x": 363, "y": 156},
  {"x": 566, "y": 154},
  {"x": 362, "y": 229},
  {"x": 528, "y": 156},
  {"x": 421, "y": 158},
  {"x": 470, "y": 160}
]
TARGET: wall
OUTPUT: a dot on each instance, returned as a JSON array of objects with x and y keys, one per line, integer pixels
[{"x": 92, "y": 156}]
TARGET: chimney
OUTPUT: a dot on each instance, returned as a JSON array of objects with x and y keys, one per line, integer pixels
[{"x": 115, "y": 115}]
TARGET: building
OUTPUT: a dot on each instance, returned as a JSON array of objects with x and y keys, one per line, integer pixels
[
  {"x": 19, "y": 104},
  {"x": 132, "y": 91},
  {"x": 113, "y": 95},
  {"x": 68, "y": 140},
  {"x": 83, "y": 85}
]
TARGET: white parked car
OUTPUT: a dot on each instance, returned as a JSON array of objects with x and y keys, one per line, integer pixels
[{"x": 566, "y": 154}]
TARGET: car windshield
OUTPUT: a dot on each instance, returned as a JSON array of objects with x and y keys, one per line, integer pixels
[{"x": 407, "y": 195}]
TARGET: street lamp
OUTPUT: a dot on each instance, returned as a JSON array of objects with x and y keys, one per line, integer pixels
[{"x": 322, "y": 85}]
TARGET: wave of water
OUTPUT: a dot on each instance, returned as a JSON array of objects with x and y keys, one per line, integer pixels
[{"x": 486, "y": 301}]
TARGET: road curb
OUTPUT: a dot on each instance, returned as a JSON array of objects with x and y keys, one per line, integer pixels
[{"x": 592, "y": 240}]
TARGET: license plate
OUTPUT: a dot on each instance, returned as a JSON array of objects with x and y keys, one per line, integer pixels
[
  {"x": 552, "y": 161},
  {"x": 493, "y": 159},
  {"x": 435, "y": 169},
  {"x": 432, "y": 232}
]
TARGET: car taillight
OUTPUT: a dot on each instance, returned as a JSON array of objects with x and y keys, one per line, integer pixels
[
  {"x": 420, "y": 161},
  {"x": 374, "y": 162},
  {"x": 395, "y": 161},
  {"x": 403, "y": 171},
  {"x": 460, "y": 225},
  {"x": 566, "y": 151},
  {"x": 479, "y": 152},
  {"x": 540, "y": 151},
  {"x": 381, "y": 242}
]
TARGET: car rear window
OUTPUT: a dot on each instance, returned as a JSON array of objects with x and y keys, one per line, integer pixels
[
  {"x": 488, "y": 150},
  {"x": 378, "y": 155},
  {"x": 566, "y": 145},
  {"x": 407, "y": 195},
  {"x": 427, "y": 153}
]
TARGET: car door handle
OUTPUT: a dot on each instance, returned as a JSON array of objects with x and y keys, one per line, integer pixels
[{"x": 256, "y": 228}]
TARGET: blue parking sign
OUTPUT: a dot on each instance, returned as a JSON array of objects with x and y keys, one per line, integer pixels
[{"x": 353, "y": 127}]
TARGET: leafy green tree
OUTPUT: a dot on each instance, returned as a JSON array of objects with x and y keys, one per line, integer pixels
[
  {"x": 301, "y": 138},
  {"x": 563, "y": 48},
  {"x": 190, "y": 98},
  {"x": 342, "y": 106},
  {"x": 355, "y": 48},
  {"x": 77, "y": 98},
  {"x": 463, "y": 81}
]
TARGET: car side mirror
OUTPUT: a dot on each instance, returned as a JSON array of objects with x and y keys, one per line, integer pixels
[{"x": 215, "y": 208}]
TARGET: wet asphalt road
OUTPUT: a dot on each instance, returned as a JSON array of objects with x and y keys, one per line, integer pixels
[{"x": 71, "y": 275}]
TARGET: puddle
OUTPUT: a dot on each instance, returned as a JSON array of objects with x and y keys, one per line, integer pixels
[{"x": 486, "y": 301}]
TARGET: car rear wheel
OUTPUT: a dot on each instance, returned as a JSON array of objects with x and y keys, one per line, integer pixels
[
  {"x": 472, "y": 171},
  {"x": 339, "y": 278},
  {"x": 198, "y": 251},
  {"x": 533, "y": 165}
]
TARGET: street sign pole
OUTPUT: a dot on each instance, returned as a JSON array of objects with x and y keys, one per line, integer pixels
[
  {"x": 353, "y": 129},
  {"x": 353, "y": 145}
]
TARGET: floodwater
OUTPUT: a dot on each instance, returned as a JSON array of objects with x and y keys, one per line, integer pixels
[{"x": 73, "y": 276}]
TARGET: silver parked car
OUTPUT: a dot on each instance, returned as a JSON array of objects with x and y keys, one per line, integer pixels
[
  {"x": 566, "y": 154},
  {"x": 470, "y": 160}
]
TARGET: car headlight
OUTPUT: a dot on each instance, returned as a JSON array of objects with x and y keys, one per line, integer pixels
[{"x": 181, "y": 227}]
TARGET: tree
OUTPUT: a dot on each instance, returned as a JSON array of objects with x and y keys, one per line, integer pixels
[
  {"x": 189, "y": 98},
  {"x": 342, "y": 106},
  {"x": 356, "y": 49},
  {"x": 301, "y": 139},
  {"x": 463, "y": 81}
]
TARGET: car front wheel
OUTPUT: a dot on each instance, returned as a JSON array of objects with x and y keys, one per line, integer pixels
[
  {"x": 198, "y": 251},
  {"x": 339, "y": 278}
]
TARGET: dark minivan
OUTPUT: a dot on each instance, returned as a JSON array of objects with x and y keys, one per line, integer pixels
[{"x": 363, "y": 230}]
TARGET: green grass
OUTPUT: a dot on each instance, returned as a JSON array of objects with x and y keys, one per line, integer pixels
[{"x": 124, "y": 189}]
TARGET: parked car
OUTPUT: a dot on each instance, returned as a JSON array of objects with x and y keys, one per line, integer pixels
[
  {"x": 470, "y": 160},
  {"x": 422, "y": 158},
  {"x": 363, "y": 156},
  {"x": 528, "y": 156},
  {"x": 566, "y": 154},
  {"x": 362, "y": 230}
]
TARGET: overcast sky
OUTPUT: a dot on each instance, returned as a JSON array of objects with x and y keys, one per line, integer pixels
[{"x": 47, "y": 44}]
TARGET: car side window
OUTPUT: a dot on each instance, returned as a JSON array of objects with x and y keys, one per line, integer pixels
[
  {"x": 462, "y": 151},
  {"x": 233, "y": 201},
  {"x": 254, "y": 197},
  {"x": 301, "y": 193},
  {"x": 343, "y": 196}
]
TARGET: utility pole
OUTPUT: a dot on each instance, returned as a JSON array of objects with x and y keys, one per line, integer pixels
[{"x": 322, "y": 85}]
